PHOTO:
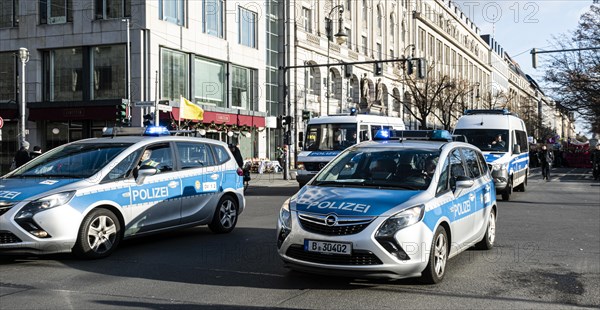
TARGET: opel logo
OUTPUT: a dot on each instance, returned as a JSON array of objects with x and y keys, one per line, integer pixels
[{"x": 331, "y": 220}]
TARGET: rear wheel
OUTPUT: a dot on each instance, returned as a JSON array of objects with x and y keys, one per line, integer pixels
[
  {"x": 99, "y": 234},
  {"x": 508, "y": 190},
  {"x": 438, "y": 257},
  {"x": 490, "y": 234},
  {"x": 225, "y": 217}
]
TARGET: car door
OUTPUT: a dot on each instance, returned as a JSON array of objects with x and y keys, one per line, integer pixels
[
  {"x": 156, "y": 203},
  {"x": 478, "y": 190},
  {"x": 463, "y": 201},
  {"x": 201, "y": 181}
]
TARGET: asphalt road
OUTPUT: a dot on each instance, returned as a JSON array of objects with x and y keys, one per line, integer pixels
[{"x": 547, "y": 256}]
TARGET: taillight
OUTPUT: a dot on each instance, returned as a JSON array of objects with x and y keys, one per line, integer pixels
[{"x": 240, "y": 172}]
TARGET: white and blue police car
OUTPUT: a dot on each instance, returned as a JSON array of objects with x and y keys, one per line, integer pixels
[
  {"x": 88, "y": 195},
  {"x": 395, "y": 208}
]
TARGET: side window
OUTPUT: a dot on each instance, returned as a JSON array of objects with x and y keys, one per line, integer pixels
[
  {"x": 482, "y": 163},
  {"x": 456, "y": 167},
  {"x": 364, "y": 133},
  {"x": 472, "y": 163},
  {"x": 522, "y": 141},
  {"x": 221, "y": 154},
  {"x": 123, "y": 169},
  {"x": 160, "y": 157},
  {"x": 375, "y": 129},
  {"x": 194, "y": 155},
  {"x": 443, "y": 181}
]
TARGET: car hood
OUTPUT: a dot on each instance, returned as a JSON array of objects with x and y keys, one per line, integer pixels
[
  {"x": 17, "y": 189},
  {"x": 492, "y": 157},
  {"x": 350, "y": 201}
]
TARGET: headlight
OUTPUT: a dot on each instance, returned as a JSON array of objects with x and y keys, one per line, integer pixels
[
  {"x": 285, "y": 217},
  {"x": 401, "y": 220},
  {"x": 45, "y": 203},
  {"x": 300, "y": 166},
  {"x": 499, "y": 166}
]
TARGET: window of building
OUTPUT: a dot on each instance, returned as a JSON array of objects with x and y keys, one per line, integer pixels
[
  {"x": 213, "y": 17},
  {"x": 348, "y": 6},
  {"x": 379, "y": 21},
  {"x": 391, "y": 55},
  {"x": 379, "y": 52},
  {"x": 307, "y": 19},
  {"x": 242, "y": 87},
  {"x": 8, "y": 83},
  {"x": 174, "y": 74},
  {"x": 247, "y": 28},
  {"x": 9, "y": 13},
  {"x": 109, "y": 77},
  {"x": 209, "y": 82},
  {"x": 365, "y": 13},
  {"x": 171, "y": 11},
  {"x": 56, "y": 11},
  {"x": 365, "y": 45},
  {"x": 312, "y": 82},
  {"x": 106, "y": 9},
  {"x": 392, "y": 31},
  {"x": 349, "y": 38},
  {"x": 63, "y": 74}
]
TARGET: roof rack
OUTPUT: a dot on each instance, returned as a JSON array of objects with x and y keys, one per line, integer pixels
[{"x": 428, "y": 135}]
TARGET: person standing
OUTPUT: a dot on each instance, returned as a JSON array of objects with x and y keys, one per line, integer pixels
[
  {"x": 546, "y": 157},
  {"x": 596, "y": 162},
  {"x": 22, "y": 155}
]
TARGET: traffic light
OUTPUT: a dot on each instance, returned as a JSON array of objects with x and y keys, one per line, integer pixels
[
  {"x": 286, "y": 120},
  {"x": 409, "y": 67},
  {"x": 149, "y": 119},
  {"x": 422, "y": 70},
  {"x": 534, "y": 58},
  {"x": 121, "y": 114},
  {"x": 378, "y": 68},
  {"x": 287, "y": 137},
  {"x": 306, "y": 115}
]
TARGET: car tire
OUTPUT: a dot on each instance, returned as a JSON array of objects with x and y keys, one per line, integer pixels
[
  {"x": 438, "y": 258},
  {"x": 508, "y": 190},
  {"x": 99, "y": 235},
  {"x": 523, "y": 186},
  {"x": 489, "y": 238},
  {"x": 225, "y": 217}
]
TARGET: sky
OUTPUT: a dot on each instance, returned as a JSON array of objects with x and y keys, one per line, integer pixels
[{"x": 519, "y": 26}]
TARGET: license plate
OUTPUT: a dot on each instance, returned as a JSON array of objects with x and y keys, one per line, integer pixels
[{"x": 325, "y": 247}]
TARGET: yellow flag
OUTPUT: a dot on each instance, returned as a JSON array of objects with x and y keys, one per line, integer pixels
[{"x": 189, "y": 110}]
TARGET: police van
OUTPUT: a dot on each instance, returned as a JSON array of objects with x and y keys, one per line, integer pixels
[
  {"x": 502, "y": 137},
  {"x": 327, "y": 136},
  {"x": 86, "y": 196},
  {"x": 395, "y": 208}
]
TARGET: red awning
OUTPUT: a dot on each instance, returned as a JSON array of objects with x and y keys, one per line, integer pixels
[{"x": 223, "y": 118}]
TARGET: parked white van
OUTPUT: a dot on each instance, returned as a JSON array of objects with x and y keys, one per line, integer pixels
[
  {"x": 327, "y": 136},
  {"x": 502, "y": 137}
]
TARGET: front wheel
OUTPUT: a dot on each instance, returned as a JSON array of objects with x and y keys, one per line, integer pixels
[
  {"x": 438, "y": 257},
  {"x": 523, "y": 186},
  {"x": 225, "y": 217},
  {"x": 490, "y": 234},
  {"x": 99, "y": 234}
]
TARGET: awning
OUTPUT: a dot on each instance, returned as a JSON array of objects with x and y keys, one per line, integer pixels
[
  {"x": 220, "y": 118},
  {"x": 98, "y": 110}
]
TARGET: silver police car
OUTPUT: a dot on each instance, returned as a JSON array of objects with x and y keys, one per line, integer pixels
[
  {"x": 394, "y": 208},
  {"x": 88, "y": 195}
]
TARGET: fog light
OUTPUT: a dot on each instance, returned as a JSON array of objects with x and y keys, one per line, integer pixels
[{"x": 40, "y": 233}]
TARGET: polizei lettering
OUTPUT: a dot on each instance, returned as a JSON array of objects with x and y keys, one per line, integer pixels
[
  {"x": 150, "y": 193},
  {"x": 347, "y": 206}
]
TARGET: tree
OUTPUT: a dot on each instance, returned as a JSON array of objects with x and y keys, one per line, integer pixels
[
  {"x": 574, "y": 76},
  {"x": 453, "y": 102}
]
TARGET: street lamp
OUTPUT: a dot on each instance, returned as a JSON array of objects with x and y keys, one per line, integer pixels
[
  {"x": 404, "y": 82},
  {"x": 340, "y": 39},
  {"x": 24, "y": 56}
]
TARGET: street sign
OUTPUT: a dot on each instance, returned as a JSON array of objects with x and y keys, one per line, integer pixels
[
  {"x": 143, "y": 104},
  {"x": 164, "y": 107},
  {"x": 1, "y": 122}
]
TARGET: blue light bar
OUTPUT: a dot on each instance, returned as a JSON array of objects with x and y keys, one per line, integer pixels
[
  {"x": 156, "y": 131},
  {"x": 431, "y": 135},
  {"x": 382, "y": 134}
]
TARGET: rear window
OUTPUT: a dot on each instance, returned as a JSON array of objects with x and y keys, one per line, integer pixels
[{"x": 221, "y": 154}]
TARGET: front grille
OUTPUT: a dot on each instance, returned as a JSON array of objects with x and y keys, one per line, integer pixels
[
  {"x": 314, "y": 166},
  {"x": 343, "y": 225},
  {"x": 358, "y": 257},
  {"x": 8, "y": 237},
  {"x": 5, "y": 206}
]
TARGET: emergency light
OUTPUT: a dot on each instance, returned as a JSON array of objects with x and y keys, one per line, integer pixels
[{"x": 430, "y": 135}]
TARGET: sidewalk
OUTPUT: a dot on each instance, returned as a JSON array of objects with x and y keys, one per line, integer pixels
[{"x": 271, "y": 180}]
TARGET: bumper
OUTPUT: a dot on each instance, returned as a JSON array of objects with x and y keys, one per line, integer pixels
[
  {"x": 369, "y": 258},
  {"x": 500, "y": 178}
]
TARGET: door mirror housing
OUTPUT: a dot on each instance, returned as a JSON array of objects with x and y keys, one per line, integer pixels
[
  {"x": 516, "y": 149},
  {"x": 143, "y": 172},
  {"x": 464, "y": 182}
]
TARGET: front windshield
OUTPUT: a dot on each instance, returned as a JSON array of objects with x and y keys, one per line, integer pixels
[
  {"x": 493, "y": 140},
  {"x": 330, "y": 137},
  {"x": 411, "y": 169},
  {"x": 71, "y": 161}
]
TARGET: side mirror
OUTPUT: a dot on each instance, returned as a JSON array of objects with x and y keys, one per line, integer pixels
[
  {"x": 516, "y": 149},
  {"x": 464, "y": 181},
  {"x": 143, "y": 172}
]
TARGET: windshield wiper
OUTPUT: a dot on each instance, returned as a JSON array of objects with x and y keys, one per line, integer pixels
[{"x": 335, "y": 183}]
